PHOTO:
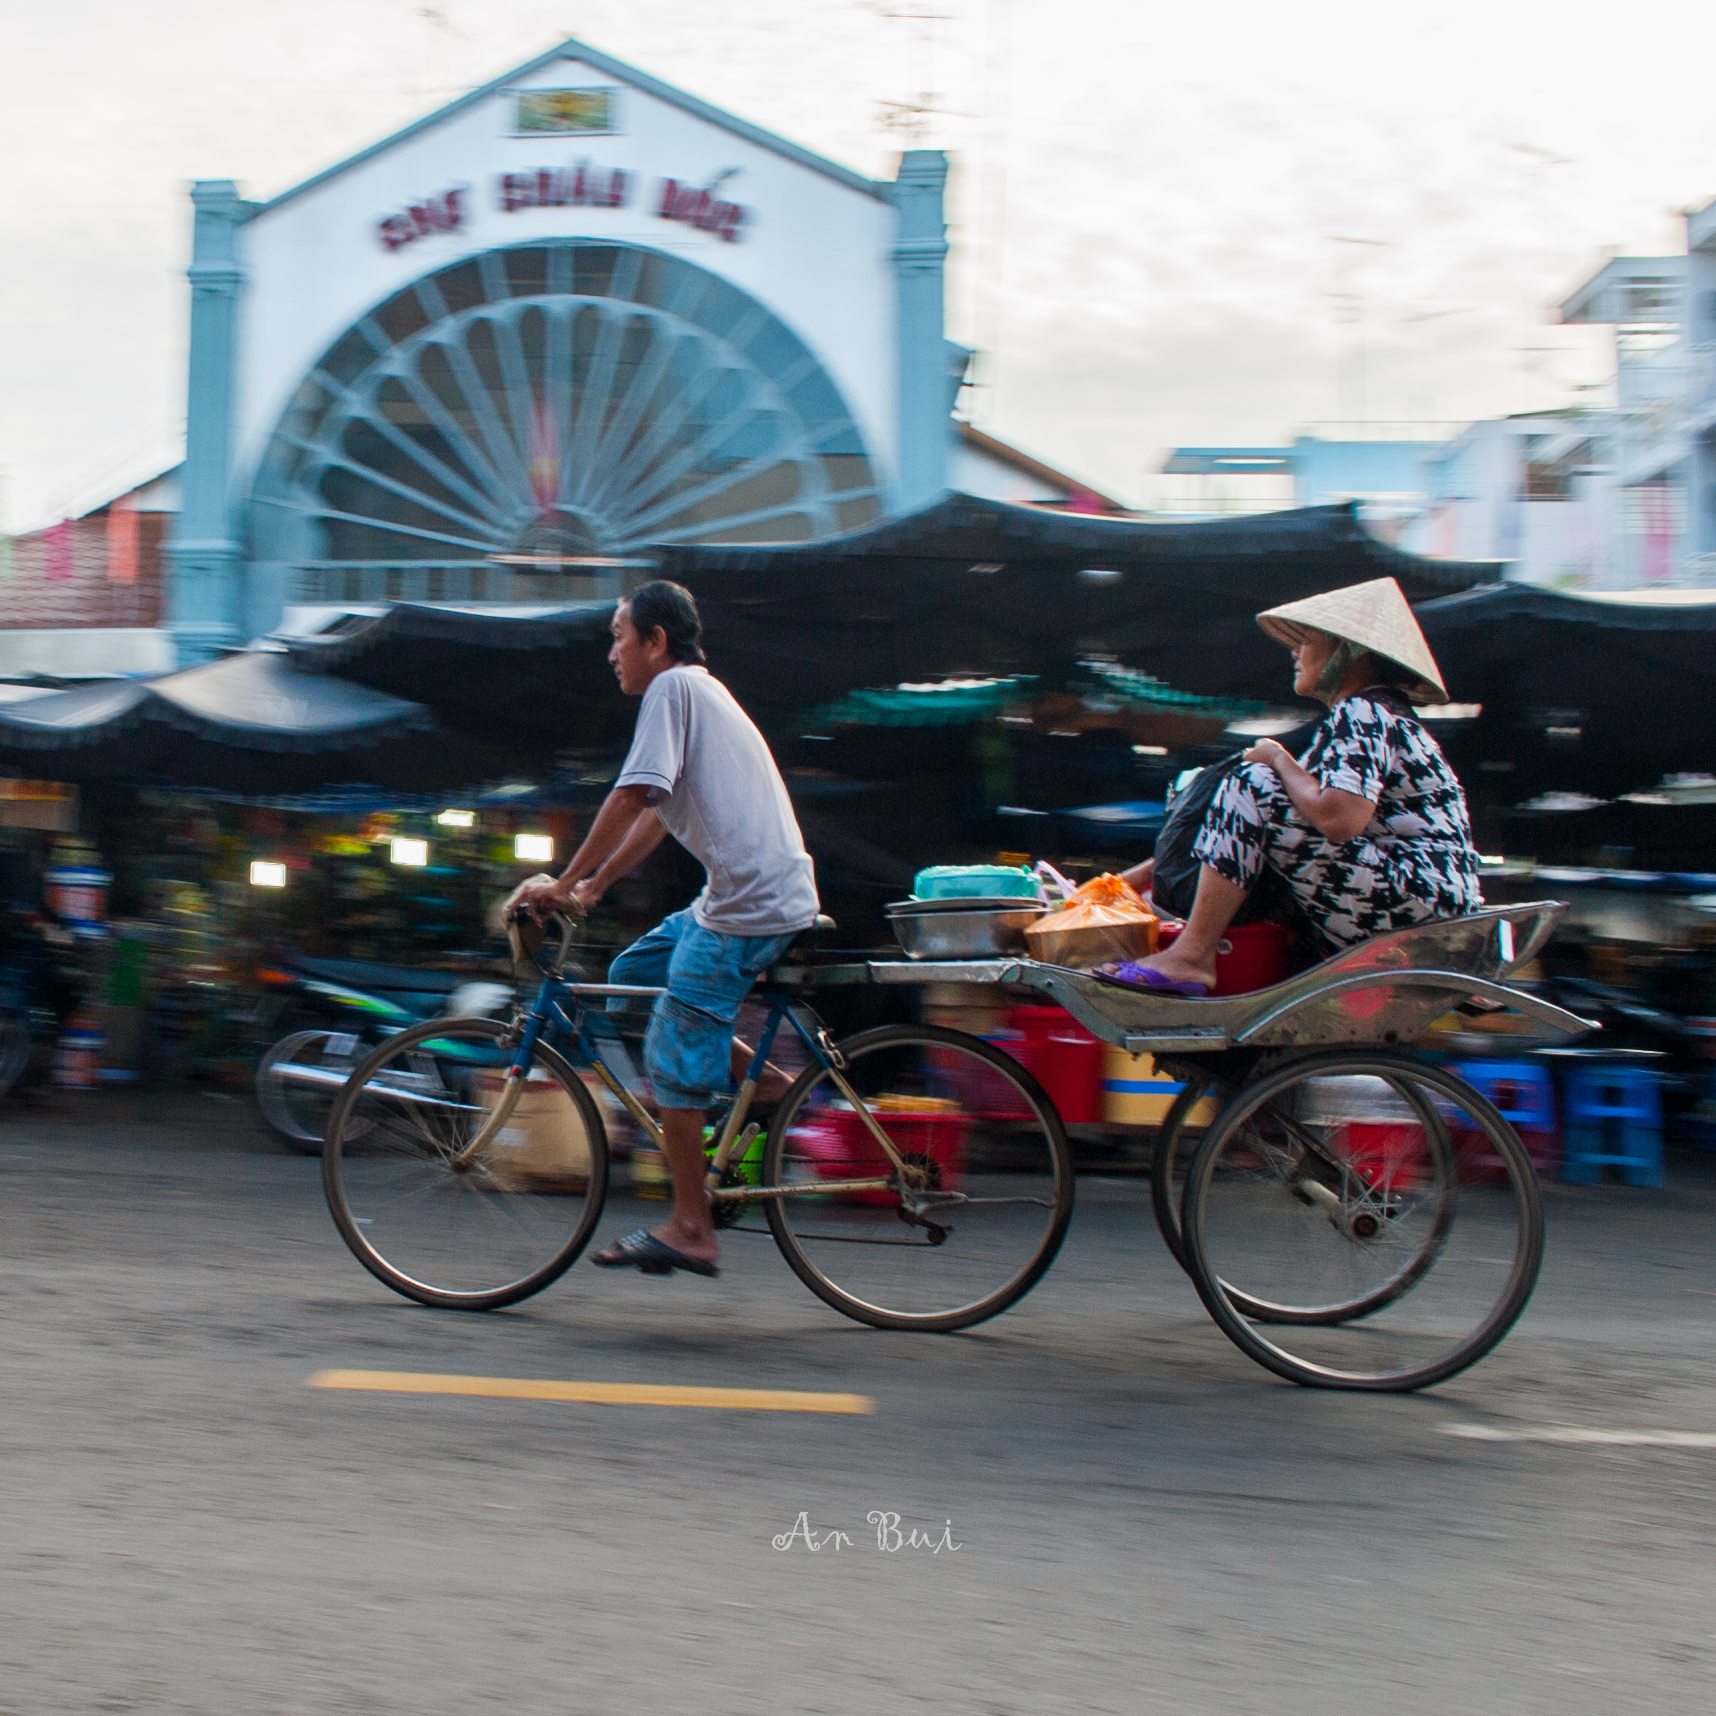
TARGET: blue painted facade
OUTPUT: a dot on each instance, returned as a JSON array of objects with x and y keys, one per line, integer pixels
[{"x": 224, "y": 588}]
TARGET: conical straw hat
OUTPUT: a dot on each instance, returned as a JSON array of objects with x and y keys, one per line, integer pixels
[{"x": 1375, "y": 616}]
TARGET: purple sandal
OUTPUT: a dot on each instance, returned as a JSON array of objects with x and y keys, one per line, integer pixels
[{"x": 1131, "y": 974}]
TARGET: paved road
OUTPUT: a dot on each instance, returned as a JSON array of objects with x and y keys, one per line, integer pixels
[{"x": 1146, "y": 1522}]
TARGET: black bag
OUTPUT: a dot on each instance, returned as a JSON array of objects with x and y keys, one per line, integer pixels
[{"x": 1174, "y": 883}]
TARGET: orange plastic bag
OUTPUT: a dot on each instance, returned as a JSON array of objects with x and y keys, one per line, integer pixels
[{"x": 1103, "y": 920}]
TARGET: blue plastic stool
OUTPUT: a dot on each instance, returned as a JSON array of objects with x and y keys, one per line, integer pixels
[
  {"x": 1614, "y": 1120},
  {"x": 1523, "y": 1093}
]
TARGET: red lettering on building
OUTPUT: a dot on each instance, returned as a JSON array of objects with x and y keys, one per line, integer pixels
[
  {"x": 699, "y": 206},
  {"x": 581, "y": 185},
  {"x": 444, "y": 212}
]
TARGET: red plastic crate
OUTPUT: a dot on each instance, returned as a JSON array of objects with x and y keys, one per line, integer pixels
[{"x": 840, "y": 1145}]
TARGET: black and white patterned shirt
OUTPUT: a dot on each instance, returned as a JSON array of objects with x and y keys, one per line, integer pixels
[{"x": 1372, "y": 746}]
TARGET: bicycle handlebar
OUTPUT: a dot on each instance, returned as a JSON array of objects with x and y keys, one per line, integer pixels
[{"x": 528, "y": 934}]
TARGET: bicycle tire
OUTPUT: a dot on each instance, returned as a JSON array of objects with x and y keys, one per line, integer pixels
[
  {"x": 17, "y": 1048},
  {"x": 1270, "y": 1340},
  {"x": 1167, "y": 1162},
  {"x": 1024, "y": 1155},
  {"x": 517, "y": 1202},
  {"x": 289, "y": 1115}
]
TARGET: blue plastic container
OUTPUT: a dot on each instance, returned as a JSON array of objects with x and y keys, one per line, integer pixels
[{"x": 975, "y": 882}]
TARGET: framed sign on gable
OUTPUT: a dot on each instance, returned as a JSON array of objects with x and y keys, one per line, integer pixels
[{"x": 563, "y": 112}]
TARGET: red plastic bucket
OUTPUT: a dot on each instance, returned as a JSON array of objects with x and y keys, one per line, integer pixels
[
  {"x": 1253, "y": 957},
  {"x": 1064, "y": 1058}
]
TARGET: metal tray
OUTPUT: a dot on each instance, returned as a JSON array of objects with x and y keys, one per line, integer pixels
[
  {"x": 922, "y": 908},
  {"x": 963, "y": 934}
]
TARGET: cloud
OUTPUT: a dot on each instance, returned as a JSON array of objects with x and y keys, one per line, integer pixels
[{"x": 1144, "y": 204}]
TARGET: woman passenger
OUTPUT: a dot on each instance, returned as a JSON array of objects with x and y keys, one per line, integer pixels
[{"x": 1369, "y": 829}]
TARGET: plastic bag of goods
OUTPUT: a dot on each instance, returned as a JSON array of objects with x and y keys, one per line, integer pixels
[{"x": 1104, "y": 919}]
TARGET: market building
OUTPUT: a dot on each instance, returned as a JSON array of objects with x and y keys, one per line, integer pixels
[{"x": 572, "y": 316}]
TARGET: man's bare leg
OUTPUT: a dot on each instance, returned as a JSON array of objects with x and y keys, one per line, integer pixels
[
  {"x": 771, "y": 1086},
  {"x": 689, "y": 1227}
]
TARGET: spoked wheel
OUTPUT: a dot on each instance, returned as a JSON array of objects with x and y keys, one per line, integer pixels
[
  {"x": 17, "y": 1046},
  {"x": 975, "y": 1216},
  {"x": 1175, "y": 1144},
  {"x": 1359, "y": 1220},
  {"x": 453, "y": 1188},
  {"x": 297, "y": 1081}
]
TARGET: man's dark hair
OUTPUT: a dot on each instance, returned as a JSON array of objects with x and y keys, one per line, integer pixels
[{"x": 673, "y": 608}]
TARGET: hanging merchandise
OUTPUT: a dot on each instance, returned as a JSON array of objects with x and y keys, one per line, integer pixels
[{"x": 75, "y": 891}]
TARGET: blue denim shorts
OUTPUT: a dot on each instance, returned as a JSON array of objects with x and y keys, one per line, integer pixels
[{"x": 707, "y": 975}]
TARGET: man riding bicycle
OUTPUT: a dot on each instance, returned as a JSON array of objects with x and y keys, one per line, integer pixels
[{"x": 699, "y": 770}]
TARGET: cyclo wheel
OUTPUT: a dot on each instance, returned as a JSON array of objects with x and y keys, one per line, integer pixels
[
  {"x": 434, "y": 1208},
  {"x": 1168, "y": 1165},
  {"x": 976, "y": 1219},
  {"x": 1175, "y": 1147},
  {"x": 1359, "y": 1220}
]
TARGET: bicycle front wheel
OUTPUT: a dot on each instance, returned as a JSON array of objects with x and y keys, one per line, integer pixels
[
  {"x": 1359, "y": 1220},
  {"x": 966, "y": 1224},
  {"x": 442, "y": 1198}
]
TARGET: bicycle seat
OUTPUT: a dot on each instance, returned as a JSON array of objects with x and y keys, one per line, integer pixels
[{"x": 804, "y": 944}]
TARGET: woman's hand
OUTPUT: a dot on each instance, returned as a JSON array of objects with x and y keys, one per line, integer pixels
[
  {"x": 585, "y": 894},
  {"x": 1270, "y": 752}
]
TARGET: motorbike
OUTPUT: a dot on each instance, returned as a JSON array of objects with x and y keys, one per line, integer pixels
[
  {"x": 325, "y": 1015},
  {"x": 39, "y": 990}
]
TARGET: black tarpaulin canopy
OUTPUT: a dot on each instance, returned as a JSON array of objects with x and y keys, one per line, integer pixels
[
  {"x": 1596, "y": 694},
  {"x": 963, "y": 587},
  {"x": 252, "y": 723}
]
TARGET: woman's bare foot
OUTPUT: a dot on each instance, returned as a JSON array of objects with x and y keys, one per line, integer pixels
[{"x": 1179, "y": 966}]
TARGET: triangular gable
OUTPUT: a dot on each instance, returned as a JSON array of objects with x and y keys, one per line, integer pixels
[{"x": 573, "y": 49}]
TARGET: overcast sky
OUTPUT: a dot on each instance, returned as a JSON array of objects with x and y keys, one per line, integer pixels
[{"x": 1147, "y": 204}]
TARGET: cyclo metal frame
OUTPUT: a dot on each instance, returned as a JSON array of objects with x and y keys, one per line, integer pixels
[{"x": 1383, "y": 991}]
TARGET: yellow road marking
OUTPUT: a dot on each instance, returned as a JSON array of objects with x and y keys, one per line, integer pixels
[{"x": 592, "y": 1393}]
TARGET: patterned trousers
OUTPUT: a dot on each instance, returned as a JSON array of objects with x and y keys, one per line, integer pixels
[{"x": 1346, "y": 891}]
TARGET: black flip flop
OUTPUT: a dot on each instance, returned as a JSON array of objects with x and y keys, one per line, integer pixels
[{"x": 641, "y": 1250}]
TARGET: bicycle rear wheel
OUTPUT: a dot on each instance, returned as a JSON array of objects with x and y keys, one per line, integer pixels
[
  {"x": 438, "y": 1201},
  {"x": 977, "y": 1215},
  {"x": 1358, "y": 1220}
]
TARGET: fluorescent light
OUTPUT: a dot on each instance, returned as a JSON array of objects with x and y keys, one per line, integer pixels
[
  {"x": 1100, "y": 574},
  {"x": 1266, "y": 726},
  {"x": 534, "y": 848},
  {"x": 264, "y": 874},
  {"x": 403, "y": 850},
  {"x": 457, "y": 818},
  {"x": 1149, "y": 750}
]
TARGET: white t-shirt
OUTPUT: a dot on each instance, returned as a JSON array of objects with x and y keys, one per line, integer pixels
[{"x": 719, "y": 794}]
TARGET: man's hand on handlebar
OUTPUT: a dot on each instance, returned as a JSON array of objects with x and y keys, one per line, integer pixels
[{"x": 540, "y": 897}]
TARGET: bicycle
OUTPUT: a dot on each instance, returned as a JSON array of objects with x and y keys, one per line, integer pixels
[{"x": 912, "y": 1176}]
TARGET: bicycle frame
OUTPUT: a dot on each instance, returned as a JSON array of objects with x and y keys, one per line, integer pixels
[{"x": 557, "y": 1013}]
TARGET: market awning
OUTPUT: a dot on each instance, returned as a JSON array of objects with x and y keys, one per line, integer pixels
[
  {"x": 250, "y": 723},
  {"x": 1580, "y": 693},
  {"x": 965, "y": 588}
]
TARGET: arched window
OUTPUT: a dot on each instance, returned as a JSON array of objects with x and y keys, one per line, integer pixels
[{"x": 538, "y": 410}]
